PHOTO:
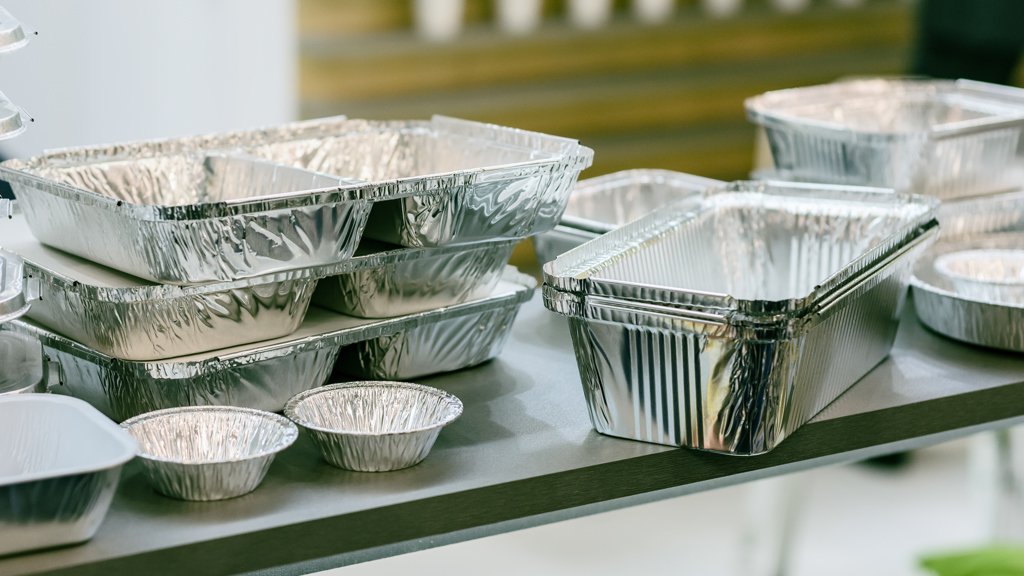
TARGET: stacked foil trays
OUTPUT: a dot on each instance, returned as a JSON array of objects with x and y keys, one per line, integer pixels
[
  {"x": 970, "y": 286},
  {"x": 238, "y": 268},
  {"x": 944, "y": 138},
  {"x": 729, "y": 318},
  {"x": 23, "y": 368}
]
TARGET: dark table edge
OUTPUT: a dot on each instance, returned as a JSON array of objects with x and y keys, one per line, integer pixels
[{"x": 371, "y": 534}]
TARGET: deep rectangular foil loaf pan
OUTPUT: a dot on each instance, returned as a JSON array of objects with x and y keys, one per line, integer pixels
[
  {"x": 189, "y": 218},
  {"x": 991, "y": 223},
  {"x": 601, "y": 204},
  {"x": 262, "y": 376},
  {"x": 939, "y": 137},
  {"x": 727, "y": 319},
  {"x": 436, "y": 182}
]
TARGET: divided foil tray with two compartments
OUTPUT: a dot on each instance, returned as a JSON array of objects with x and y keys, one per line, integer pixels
[
  {"x": 728, "y": 319},
  {"x": 602, "y": 204},
  {"x": 994, "y": 222},
  {"x": 266, "y": 375},
  {"x": 433, "y": 183},
  {"x": 131, "y": 319}
]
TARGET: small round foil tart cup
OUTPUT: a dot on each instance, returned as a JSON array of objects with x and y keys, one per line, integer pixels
[
  {"x": 374, "y": 426},
  {"x": 989, "y": 274},
  {"x": 208, "y": 452}
]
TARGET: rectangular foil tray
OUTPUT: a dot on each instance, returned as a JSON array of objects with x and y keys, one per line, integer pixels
[
  {"x": 729, "y": 318},
  {"x": 436, "y": 182},
  {"x": 190, "y": 218},
  {"x": 944, "y": 138},
  {"x": 602, "y": 204},
  {"x": 266, "y": 375},
  {"x": 132, "y": 319},
  {"x": 994, "y": 222}
]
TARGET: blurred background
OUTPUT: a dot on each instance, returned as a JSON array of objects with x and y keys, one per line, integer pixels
[{"x": 645, "y": 83}]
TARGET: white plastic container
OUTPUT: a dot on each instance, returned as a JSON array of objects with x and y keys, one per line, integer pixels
[{"x": 60, "y": 462}]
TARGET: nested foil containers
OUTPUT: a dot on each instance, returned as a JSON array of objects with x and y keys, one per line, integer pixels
[
  {"x": 729, "y": 318},
  {"x": 972, "y": 308},
  {"x": 265, "y": 375},
  {"x": 23, "y": 368},
  {"x": 161, "y": 210},
  {"x": 939, "y": 137},
  {"x": 601, "y": 204},
  {"x": 60, "y": 463}
]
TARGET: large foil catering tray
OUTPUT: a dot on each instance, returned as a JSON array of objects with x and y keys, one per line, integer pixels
[
  {"x": 133, "y": 319},
  {"x": 190, "y": 218},
  {"x": 436, "y": 182},
  {"x": 992, "y": 223},
  {"x": 729, "y": 318},
  {"x": 944, "y": 138},
  {"x": 61, "y": 465},
  {"x": 262, "y": 376},
  {"x": 602, "y": 204}
]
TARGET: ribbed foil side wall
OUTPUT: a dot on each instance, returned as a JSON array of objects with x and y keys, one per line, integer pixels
[
  {"x": 443, "y": 346},
  {"x": 976, "y": 322},
  {"x": 195, "y": 251},
  {"x": 172, "y": 327},
  {"x": 265, "y": 384},
  {"x": 54, "y": 511},
  {"x": 415, "y": 285},
  {"x": 377, "y": 453}
]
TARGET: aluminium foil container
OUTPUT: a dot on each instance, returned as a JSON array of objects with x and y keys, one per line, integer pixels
[
  {"x": 995, "y": 222},
  {"x": 13, "y": 300},
  {"x": 944, "y": 138},
  {"x": 727, "y": 319},
  {"x": 262, "y": 376},
  {"x": 132, "y": 319},
  {"x": 60, "y": 463},
  {"x": 189, "y": 218},
  {"x": 14, "y": 35},
  {"x": 602, "y": 204},
  {"x": 436, "y": 182}
]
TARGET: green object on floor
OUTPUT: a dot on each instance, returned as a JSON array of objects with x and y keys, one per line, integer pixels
[{"x": 993, "y": 561}]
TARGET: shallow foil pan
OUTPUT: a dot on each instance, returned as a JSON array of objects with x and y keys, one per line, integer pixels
[
  {"x": 602, "y": 204},
  {"x": 436, "y": 182},
  {"x": 726, "y": 320},
  {"x": 944, "y": 138},
  {"x": 993, "y": 222},
  {"x": 132, "y": 319},
  {"x": 60, "y": 463},
  {"x": 262, "y": 376},
  {"x": 190, "y": 218}
]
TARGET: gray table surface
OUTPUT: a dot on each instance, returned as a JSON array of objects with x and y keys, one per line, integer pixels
[{"x": 524, "y": 454}]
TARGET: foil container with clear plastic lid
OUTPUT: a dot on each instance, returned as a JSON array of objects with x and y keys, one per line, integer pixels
[
  {"x": 944, "y": 138},
  {"x": 980, "y": 299},
  {"x": 14, "y": 34},
  {"x": 729, "y": 318},
  {"x": 265, "y": 375},
  {"x": 23, "y": 369},
  {"x": 601, "y": 204}
]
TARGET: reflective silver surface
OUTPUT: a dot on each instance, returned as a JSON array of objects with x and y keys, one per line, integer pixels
[
  {"x": 22, "y": 368},
  {"x": 262, "y": 376},
  {"x": 442, "y": 181},
  {"x": 189, "y": 218},
  {"x": 13, "y": 303},
  {"x": 60, "y": 462},
  {"x": 209, "y": 452},
  {"x": 978, "y": 314},
  {"x": 939, "y": 137},
  {"x": 995, "y": 274},
  {"x": 374, "y": 426},
  {"x": 13, "y": 34},
  {"x": 601, "y": 204},
  {"x": 728, "y": 319},
  {"x": 11, "y": 124},
  {"x": 411, "y": 286}
]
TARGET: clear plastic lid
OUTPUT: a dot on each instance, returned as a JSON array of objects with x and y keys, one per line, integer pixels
[
  {"x": 12, "y": 118},
  {"x": 14, "y": 34},
  {"x": 21, "y": 364},
  {"x": 13, "y": 301}
]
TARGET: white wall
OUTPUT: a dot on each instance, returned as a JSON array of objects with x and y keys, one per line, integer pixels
[{"x": 104, "y": 71}]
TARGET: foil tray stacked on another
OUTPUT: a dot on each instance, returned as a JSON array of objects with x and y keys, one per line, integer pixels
[
  {"x": 978, "y": 312},
  {"x": 266, "y": 375},
  {"x": 602, "y": 204},
  {"x": 729, "y": 318},
  {"x": 23, "y": 368},
  {"x": 944, "y": 138}
]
